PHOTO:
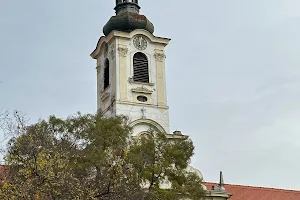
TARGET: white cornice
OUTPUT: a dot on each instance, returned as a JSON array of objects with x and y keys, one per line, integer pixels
[{"x": 127, "y": 36}]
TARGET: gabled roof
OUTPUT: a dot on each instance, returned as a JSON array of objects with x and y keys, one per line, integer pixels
[{"x": 240, "y": 192}]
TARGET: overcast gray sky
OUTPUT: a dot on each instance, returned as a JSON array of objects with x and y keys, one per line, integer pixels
[{"x": 233, "y": 75}]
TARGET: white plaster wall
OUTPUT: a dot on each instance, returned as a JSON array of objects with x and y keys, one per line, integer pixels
[
  {"x": 131, "y": 108},
  {"x": 134, "y": 113}
]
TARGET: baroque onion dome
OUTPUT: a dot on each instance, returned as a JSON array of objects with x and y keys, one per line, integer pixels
[{"x": 127, "y": 18}]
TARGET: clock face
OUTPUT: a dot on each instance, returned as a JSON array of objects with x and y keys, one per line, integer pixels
[{"x": 140, "y": 42}]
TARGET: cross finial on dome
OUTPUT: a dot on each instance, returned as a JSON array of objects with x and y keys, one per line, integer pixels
[{"x": 123, "y": 6}]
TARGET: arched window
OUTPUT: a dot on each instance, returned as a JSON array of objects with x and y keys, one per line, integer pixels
[
  {"x": 140, "y": 68},
  {"x": 106, "y": 74}
]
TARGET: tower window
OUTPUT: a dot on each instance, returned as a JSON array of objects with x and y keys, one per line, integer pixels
[
  {"x": 142, "y": 98},
  {"x": 106, "y": 74},
  {"x": 140, "y": 68}
]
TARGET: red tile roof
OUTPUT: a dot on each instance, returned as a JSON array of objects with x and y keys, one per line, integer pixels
[
  {"x": 240, "y": 192},
  {"x": 3, "y": 172}
]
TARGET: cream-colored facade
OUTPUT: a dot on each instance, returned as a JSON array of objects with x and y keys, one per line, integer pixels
[{"x": 120, "y": 97}]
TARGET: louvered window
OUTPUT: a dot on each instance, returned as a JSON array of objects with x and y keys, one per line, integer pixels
[
  {"x": 140, "y": 68},
  {"x": 106, "y": 74}
]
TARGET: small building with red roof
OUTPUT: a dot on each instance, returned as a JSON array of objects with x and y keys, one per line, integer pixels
[{"x": 241, "y": 192}]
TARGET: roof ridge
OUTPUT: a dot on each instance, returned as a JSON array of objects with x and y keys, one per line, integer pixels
[{"x": 258, "y": 187}]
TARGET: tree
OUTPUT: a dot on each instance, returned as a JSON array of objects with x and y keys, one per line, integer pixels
[
  {"x": 162, "y": 165},
  {"x": 3, "y": 117},
  {"x": 91, "y": 157}
]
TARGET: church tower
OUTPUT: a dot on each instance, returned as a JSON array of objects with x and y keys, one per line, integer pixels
[{"x": 131, "y": 78}]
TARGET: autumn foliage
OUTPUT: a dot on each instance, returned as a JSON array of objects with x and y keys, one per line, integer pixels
[{"x": 91, "y": 157}]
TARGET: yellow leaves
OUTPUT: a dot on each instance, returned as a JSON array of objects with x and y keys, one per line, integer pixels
[
  {"x": 86, "y": 156},
  {"x": 48, "y": 160}
]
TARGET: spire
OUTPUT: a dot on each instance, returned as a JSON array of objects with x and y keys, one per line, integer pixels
[
  {"x": 123, "y": 6},
  {"x": 221, "y": 183},
  {"x": 219, "y": 191}
]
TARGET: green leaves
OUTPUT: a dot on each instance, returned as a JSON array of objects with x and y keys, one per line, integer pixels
[
  {"x": 91, "y": 157},
  {"x": 161, "y": 163}
]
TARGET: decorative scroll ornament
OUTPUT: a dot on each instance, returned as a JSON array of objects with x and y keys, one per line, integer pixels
[
  {"x": 159, "y": 56},
  {"x": 123, "y": 51},
  {"x": 142, "y": 90}
]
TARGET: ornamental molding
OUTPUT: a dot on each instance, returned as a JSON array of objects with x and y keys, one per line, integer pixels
[
  {"x": 113, "y": 52},
  {"x": 159, "y": 56},
  {"x": 123, "y": 51},
  {"x": 151, "y": 123},
  {"x": 127, "y": 36},
  {"x": 142, "y": 90},
  {"x": 98, "y": 62},
  {"x": 105, "y": 49},
  {"x": 131, "y": 81}
]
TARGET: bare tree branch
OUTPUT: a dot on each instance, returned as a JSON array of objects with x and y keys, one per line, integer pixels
[
  {"x": 11, "y": 125},
  {"x": 3, "y": 119}
]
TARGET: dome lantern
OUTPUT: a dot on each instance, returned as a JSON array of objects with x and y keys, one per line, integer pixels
[{"x": 123, "y": 6}]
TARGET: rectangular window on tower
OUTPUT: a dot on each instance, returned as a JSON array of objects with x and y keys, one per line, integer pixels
[{"x": 106, "y": 74}]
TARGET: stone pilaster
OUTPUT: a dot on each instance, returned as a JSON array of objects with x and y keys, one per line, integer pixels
[
  {"x": 123, "y": 50},
  {"x": 160, "y": 78}
]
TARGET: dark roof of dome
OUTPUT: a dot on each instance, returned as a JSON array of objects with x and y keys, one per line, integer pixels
[
  {"x": 127, "y": 18},
  {"x": 128, "y": 22}
]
